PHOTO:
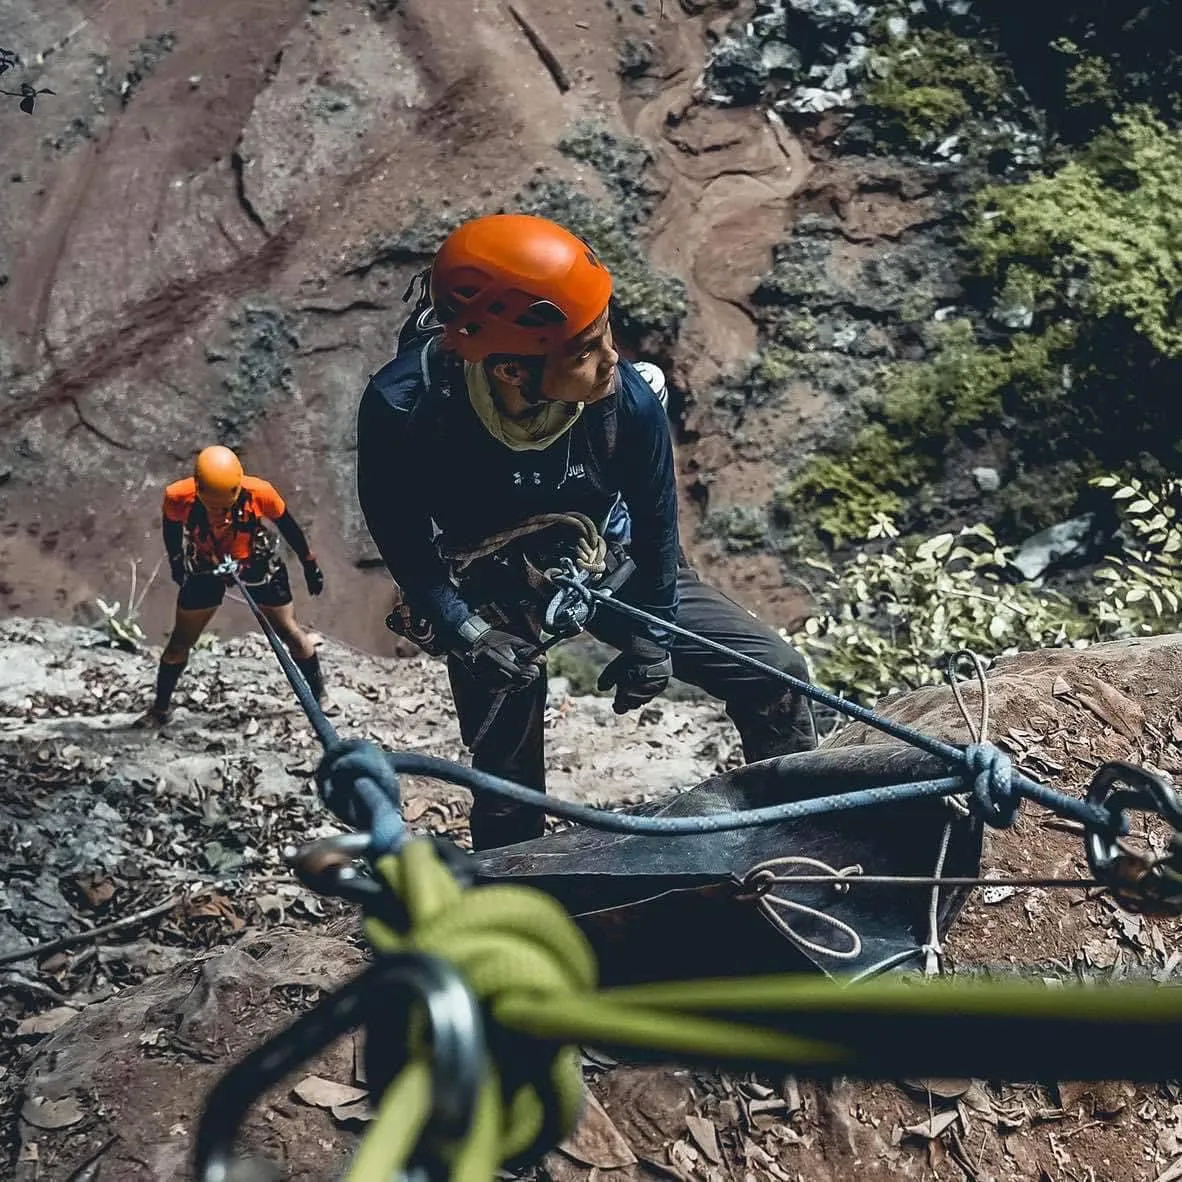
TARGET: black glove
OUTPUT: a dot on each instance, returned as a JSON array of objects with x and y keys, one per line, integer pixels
[
  {"x": 313, "y": 575},
  {"x": 639, "y": 673},
  {"x": 176, "y": 564},
  {"x": 502, "y": 660}
]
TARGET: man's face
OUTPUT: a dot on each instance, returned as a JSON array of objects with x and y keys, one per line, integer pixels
[{"x": 585, "y": 371}]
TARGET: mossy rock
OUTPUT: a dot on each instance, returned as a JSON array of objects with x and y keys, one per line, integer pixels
[
  {"x": 1099, "y": 237},
  {"x": 931, "y": 83},
  {"x": 740, "y": 527}
]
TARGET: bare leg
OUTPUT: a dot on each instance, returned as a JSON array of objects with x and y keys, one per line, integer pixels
[
  {"x": 299, "y": 644},
  {"x": 283, "y": 620},
  {"x": 189, "y": 624}
]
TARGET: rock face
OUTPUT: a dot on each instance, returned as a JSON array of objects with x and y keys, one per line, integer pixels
[
  {"x": 191, "y": 252},
  {"x": 120, "y": 1083}
]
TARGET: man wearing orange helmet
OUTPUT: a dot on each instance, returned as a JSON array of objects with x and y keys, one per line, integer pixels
[
  {"x": 214, "y": 515},
  {"x": 507, "y": 399}
]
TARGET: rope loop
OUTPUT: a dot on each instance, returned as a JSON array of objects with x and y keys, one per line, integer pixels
[
  {"x": 509, "y": 943},
  {"x": 995, "y": 799},
  {"x": 361, "y": 787}
]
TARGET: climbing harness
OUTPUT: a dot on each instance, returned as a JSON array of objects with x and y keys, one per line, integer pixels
[{"x": 505, "y": 984}]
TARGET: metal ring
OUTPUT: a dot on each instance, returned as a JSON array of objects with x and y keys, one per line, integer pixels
[
  {"x": 321, "y": 866},
  {"x": 1136, "y": 882},
  {"x": 458, "y": 1061}
]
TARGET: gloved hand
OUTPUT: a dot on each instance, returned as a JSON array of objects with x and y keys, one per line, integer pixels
[
  {"x": 639, "y": 673},
  {"x": 313, "y": 575},
  {"x": 502, "y": 660},
  {"x": 176, "y": 565}
]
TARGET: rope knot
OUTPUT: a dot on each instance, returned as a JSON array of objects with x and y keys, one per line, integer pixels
[
  {"x": 514, "y": 946},
  {"x": 358, "y": 785},
  {"x": 994, "y": 799}
]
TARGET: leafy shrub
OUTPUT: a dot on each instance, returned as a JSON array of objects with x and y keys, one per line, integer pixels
[
  {"x": 1099, "y": 237},
  {"x": 891, "y": 616},
  {"x": 1142, "y": 587}
]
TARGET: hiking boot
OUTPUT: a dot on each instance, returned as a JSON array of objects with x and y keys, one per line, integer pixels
[{"x": 154, "y": 717}]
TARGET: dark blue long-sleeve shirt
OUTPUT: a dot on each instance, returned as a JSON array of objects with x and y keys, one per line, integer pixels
[{"x": 424, "y": 459}]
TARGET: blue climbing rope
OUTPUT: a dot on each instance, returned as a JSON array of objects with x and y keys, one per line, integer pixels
[{"x": 359, "y": 783}]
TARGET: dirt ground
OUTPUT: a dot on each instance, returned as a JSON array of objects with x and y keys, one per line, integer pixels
[{"x": 103, "y": 822}]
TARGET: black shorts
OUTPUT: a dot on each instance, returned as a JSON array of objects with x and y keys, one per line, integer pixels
[{"x": 201, "y": 591}]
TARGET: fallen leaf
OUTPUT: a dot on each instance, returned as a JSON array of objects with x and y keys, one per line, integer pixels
[
  {"x": 599, "y": 1058},
  {"x": 324, "y": 1093},
  {"x": 683, "y": 1157},
  {"x": 977, "y": 1100},
  {"x": 705, "y": 1136},
  {"x": 934, "y": 1126},
  {"x": 1061, "y": 688},
  {"x": 414, "y": 809},
  {"x": 96, "y": 891},
  {"x": 942, "y": 1089},
  {"x": 772, "y": 1104},
  {"x": 359, "y": 1110},
  {"x": 52, "y": 1114},
  {"x": 46, "y": 1023},
  {"x": 1101, "y": 954},
  {"x": 596, "y": 1141},
  {"x": 1111, "y": 706},
  {"x": 936, "y": 1154}
]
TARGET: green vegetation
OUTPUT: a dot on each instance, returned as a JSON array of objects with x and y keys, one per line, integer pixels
[
  {"x": 121, "y": 625},
  {"x": 621, "y": 162},
  {"x": 931, "y": 83},
  {"x": 894, "y": 614},
  {"x": 741, "y": 527},
  {"x": 1097, "y": 239},
  {"x": 1089, "y": 255},
  {"x": 840, "y": 495},
  {"x": 924, "y": 407}
]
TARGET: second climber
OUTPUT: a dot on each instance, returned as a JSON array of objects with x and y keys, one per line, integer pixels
[{"x": 218, "y": 514}]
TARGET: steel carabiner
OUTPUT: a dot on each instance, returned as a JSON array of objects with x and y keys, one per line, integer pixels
[
  {"x": 459, "y": 1055},
  {"x": 1138, "y": 883}
]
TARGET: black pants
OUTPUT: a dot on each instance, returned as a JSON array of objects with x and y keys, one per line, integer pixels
[{"x": 771, "y": 719}]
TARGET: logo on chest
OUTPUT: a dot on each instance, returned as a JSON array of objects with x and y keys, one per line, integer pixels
[{"x": 536, "y": 479}]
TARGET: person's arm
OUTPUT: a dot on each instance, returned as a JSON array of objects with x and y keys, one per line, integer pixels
[
  {"x": 390, "y": 488},
  {"x": 294, "y": 536},
  {"x": 647, "y": 479},
  {"x": 174, "y": 547},
  {"x": 273, "y": 505}
]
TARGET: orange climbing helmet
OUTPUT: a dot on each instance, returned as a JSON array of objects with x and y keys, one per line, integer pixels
[
  {"x": 517, "y": 284},
  {"x": 218, "y": 473}
]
